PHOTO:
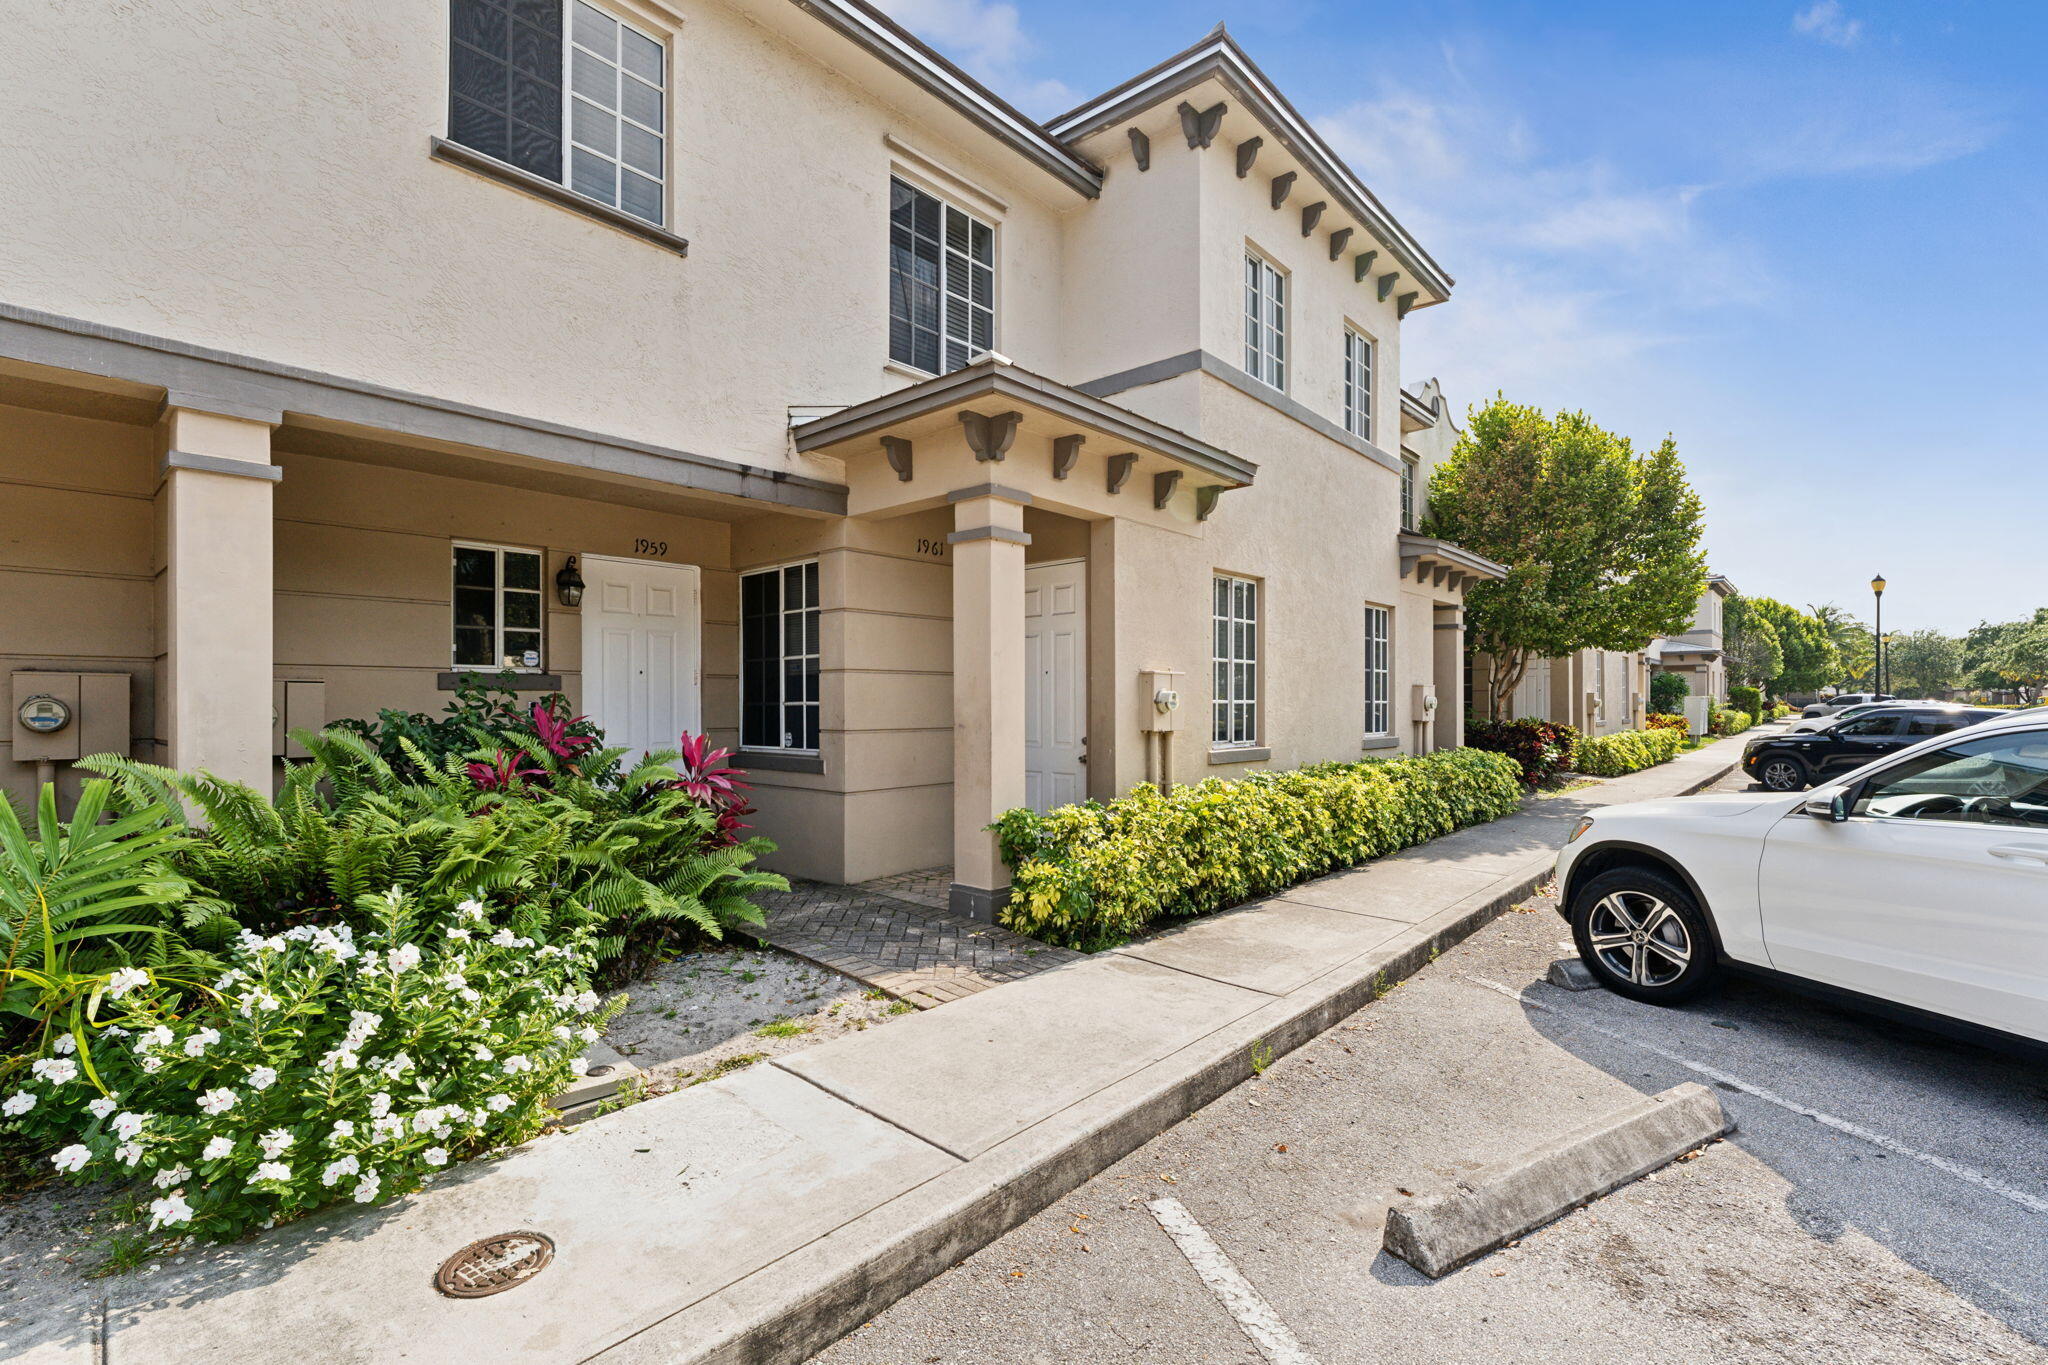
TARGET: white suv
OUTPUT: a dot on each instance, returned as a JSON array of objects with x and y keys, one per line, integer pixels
[{"x": 1916, "y": 885}]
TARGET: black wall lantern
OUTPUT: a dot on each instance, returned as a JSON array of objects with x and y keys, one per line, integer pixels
[{"x": 569, "y": 583}]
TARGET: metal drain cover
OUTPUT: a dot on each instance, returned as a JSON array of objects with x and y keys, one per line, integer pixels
[{"x": 492, "y": 1265}]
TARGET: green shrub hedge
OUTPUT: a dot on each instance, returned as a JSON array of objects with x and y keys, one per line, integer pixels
[
  {"x": 1090, "y": 876},
  {"x": 1728, "y": 721},
  {"x": 1747, "y": 699},
  {"x": 1628, "y": 752}
]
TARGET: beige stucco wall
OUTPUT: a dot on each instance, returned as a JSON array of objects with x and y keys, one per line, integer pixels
[{"x": 257, "y": 179}]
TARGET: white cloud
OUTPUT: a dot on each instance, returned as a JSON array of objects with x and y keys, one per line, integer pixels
[
  {"x": 1825, "y": 20},
  {"x": 988, "y": 39}
]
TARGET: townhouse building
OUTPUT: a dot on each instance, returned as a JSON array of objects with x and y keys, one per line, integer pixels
[
  {"x": 1698, "y": 655},
  {"x": 738, "y": 366}
]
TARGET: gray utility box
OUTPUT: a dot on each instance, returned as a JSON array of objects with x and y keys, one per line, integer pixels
[{"x": 86, "y": 713}]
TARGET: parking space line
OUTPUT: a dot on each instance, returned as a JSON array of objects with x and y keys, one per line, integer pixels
[
  {"x": 1940, "y": 1163},
  {"x": 1254, "y": 1315}
]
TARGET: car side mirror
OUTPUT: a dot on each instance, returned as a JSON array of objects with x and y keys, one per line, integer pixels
[{"x": 1832, "y": 806}]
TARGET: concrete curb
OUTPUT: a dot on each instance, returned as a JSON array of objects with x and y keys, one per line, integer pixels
[{"x": 1438, "y": 1233}]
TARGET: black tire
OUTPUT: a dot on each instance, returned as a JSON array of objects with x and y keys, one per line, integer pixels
[
  {"x": 1633, "y": 947},
  {"x": 1782, "y": 773}
]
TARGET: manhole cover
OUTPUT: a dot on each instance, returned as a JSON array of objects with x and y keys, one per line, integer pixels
[{"x": 491, "y": 1265}]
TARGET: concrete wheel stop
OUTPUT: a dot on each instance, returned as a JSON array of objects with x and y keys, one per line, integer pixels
[
  {"x": 1437, "y": 1233},
  {"x": 607, "y": 1072},
  {"x": 1568, "y": 973}
]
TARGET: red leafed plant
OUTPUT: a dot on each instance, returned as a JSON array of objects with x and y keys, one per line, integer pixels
[
  {"x": 564, "y": 738},
  {"x": 705, "y": 775},
  {"x": 508, "y": 767}
]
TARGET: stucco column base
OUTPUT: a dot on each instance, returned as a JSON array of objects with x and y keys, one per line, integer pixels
[
  {"x": 215, "y": 595},
  {"x": 987, "y": 547}
]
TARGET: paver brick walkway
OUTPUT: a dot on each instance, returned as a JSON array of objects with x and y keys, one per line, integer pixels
[{"x": 896, "y": 935}]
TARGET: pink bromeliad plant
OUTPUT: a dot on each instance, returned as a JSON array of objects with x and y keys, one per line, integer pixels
[
  {"x": 506, "y": 768},
  {"x": 565, "y": 737},
  {"x": 704, "y": 774}
]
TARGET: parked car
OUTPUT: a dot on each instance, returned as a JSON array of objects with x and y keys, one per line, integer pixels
[
  {"x": 1791, "y": 761},
  {"x": 1828, "y": 706},
  {"x": 1915, "y": 885},
  {"x": 1807, "y": 726}
]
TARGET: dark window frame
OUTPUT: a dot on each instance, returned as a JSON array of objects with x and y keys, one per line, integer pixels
[
  {"x": 942, "y": 281},
  {"x": 780, "y": 625}
]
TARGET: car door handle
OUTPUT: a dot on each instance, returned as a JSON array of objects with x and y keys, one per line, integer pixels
[{"x": 2034, "y": 854}]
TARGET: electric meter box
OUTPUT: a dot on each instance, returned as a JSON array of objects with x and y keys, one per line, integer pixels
[
  {"x": 1159, "y": 700},
  {"x": 62, "y": 717},
  {"x": 295, "y": 706}
]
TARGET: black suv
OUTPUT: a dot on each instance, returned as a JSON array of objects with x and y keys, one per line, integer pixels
[{"x": 1786, "y": 763}]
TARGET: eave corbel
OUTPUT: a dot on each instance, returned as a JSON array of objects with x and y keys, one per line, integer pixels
[
  {"x": 1120, "y": 467},
  {"x": 1206, "y": 498},
  {"x": 1283, "y": 185},
  {"x": 1141, "y": 149},
  {"x": 1200, "y": 125},
  {"x": 1247, "y": 153},
  {"x": 897, "y": 451},
  {"x": 1404, "y": 303},
  {"x": 1361, "y": 265},
  {"x": 1163, "y": 484},
  {"x": 1339, "y": 239},
  {"x": 1386, "y": 284},
  {"x": 1311, "y": 214},
  {"x": 1066, "y": 452},
  {"x": 989, "y": 435}
]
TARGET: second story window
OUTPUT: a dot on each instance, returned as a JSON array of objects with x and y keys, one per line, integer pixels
[
  {"x": 1409, "y": 511},
  {"x": 1265, "y": 321},
  {"x": 586, "y": 111},
  {"x": 942, "y": 282},
  {"x": 1358, "y": 385}
]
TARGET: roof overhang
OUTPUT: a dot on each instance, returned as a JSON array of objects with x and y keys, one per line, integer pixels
[
  {"x": 1719, "y": 583},
  {"x": 1416, "y": 415},
  {"x": 993, "y": 380},
  {"x": 1218, "y": 57},
  {"x": 897, "y": 48},
  {"x": 1439, "y": 563}
]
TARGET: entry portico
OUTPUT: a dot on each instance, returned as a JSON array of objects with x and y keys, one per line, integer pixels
[{"x": 1003, "y": 449}]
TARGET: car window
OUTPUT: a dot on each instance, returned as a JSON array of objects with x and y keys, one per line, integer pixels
[
  {"x": 1877, "y": 723},
  {"x": 1921, "y": 724},
  {"x": 1997, "y": 780}
]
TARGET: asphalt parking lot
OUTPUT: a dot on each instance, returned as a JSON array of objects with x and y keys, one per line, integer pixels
[{"x": 1884, "y": 1199}]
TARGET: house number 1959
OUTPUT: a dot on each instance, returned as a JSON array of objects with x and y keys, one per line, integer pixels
[{"x": 650, "y": 547}]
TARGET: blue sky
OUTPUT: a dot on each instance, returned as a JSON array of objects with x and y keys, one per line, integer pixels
[{"x": 1808, "y": 239}]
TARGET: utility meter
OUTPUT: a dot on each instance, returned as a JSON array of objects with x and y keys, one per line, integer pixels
[
  {"x": 43, "y": 713},
  {"x": 1165, "y": 699},
  {"x": 1161, "y": 688}
]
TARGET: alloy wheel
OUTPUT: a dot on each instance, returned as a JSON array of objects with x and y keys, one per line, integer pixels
[
  {"x": 1782, "y": 775},
  {"x": 1639, "y": 938}
]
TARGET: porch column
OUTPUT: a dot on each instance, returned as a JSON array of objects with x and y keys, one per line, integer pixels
[
  {"x": 987, "y": 545},
  {"x": 1449, "y": 670},
  {"x": 214, "y": 599}
]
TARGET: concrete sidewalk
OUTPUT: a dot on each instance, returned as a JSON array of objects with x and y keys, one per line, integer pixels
[{"x": 759, "y": 1217}]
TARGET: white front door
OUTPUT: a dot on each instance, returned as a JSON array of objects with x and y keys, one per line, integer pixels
[
  {"x": 1055, "y": 684},
  {"x": 640, "y": 652}
]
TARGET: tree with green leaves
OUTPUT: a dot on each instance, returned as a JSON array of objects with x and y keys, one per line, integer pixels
[
  {"x": 1602, "y": 544},
  {"x": 1811, "y": 659},
  {"x": 1923, "y": 663},
  {"x": 1853, "y": 641},
  {"x": 1999, "y": 654},
  {"x": 1749, "y": 643}
]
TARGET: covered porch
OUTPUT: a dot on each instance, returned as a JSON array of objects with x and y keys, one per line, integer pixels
[{"x": 1046, "y": 504}]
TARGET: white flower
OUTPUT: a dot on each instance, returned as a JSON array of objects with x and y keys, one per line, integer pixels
[
  {"x": 484, "y": 1054},
  {"x": 380, "y": 1105},
  {"x": 470, "y": 996},
  {"x": 129, "y": 1152},
  {"x": 169, "y": 1211},
  {"x": 127, "y": 1126},
  {"x": 397, "y": 1066},
  {"x": 587, "y": 1034},
  {"x": 471, "y": 909},
  {"x": 65, "y": 1045},
  {"x": 20, "y": 1102},
  {"x": 177, "y": 1175},
  {"x": 340, "y": 1059},
  {"x": 273, "y": 1142},
  {"x": 125, "y": 980},
  {"x": 228, "y": 978},
  {"x": 504, "y": 938},
  {"x": 498, "y": 1104},
  {"x": 72, "y": 1158},
  {"x": 55, "y": 1070},
  {"x": 217, "y": 1101},
  {"x": 585, "y": 1002},
  {"x": 115, "y": 1031},
  {"x": 579, "y": 1066},
  {"x": 390, "y": 1126},
  {"x": 435, "y": 1156},
  {"x": 404, "y": 958},
  {"x": 155, "y": 1037},
  {"x": 196, "y": 1045},
  {"x": 337, "y": 1169},
  {"x": 217, "y": 1149},
  {"x": 342, "y": 1128},
  {"x": 564, "y": 1032},
  {"x": 459, "y": 935},
  {"x": 152, "y": 1065},
  {"x": 262, "y": 1078},
  {"x": 514, "y": 1065},
  {"x": 257, "y": 1000},
  {"x": 271, "y": 1170},
  {"x": 102, "y": 1106},
  {"x": 366, "y": 1188}
]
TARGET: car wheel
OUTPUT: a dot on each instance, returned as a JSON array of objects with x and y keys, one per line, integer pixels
[
  {"x": 1643, "y": 935},
  {"x": 1780, "y": 773}
]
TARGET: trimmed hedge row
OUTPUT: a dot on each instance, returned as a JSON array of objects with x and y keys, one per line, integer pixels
[
  {"x": 1628, "y": 752},
  {"x": 1092, "y": 875},
  {"x": 1728, "y": 721},
  {"x": 1544, "y": 748},
  {"x": 1659, "y": 721}
]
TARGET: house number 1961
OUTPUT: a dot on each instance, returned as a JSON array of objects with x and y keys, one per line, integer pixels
[
  {"x": 650, "y": 547},
  {"x": 935, "y": 548}
]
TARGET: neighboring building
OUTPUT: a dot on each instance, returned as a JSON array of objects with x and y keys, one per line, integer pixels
[
  {"x": 1697, "y": 655},
  {"x": 941, "y": 441},
  {"x": 1596, "y": 691}
]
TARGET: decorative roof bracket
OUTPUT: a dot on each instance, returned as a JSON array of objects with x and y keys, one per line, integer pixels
[
  {"x": 1361, "y": 265},
  {"x": 1404, "y": 303},
  {"x": 1339, "y": 239},
  {"x": 1206, "y": 498},
  {"x": 1247, "y": 153},
  {"x": 898, "y": 452},
  {"x": 1066, "y": 451},
  {"x": 1163, "y": 484},
  {"x": 1283, "y": 185},
  {"x": 1311, "y": 214},
  {"x": 1386, "y": 283},
  {"x": 1120, "y": 467},
  {"x": 1200, "y": 125},
  {"x": 990, "y": 436},
  {"x": 1141, "y": 149}
]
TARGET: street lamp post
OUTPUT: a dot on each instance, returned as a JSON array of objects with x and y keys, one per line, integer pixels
[{"x": 1877, "y": 636}]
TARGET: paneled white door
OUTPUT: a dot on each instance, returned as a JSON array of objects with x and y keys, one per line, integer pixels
[
  {"x": 1055, "y": 684},
  {"x": 641, "y": 651}
]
